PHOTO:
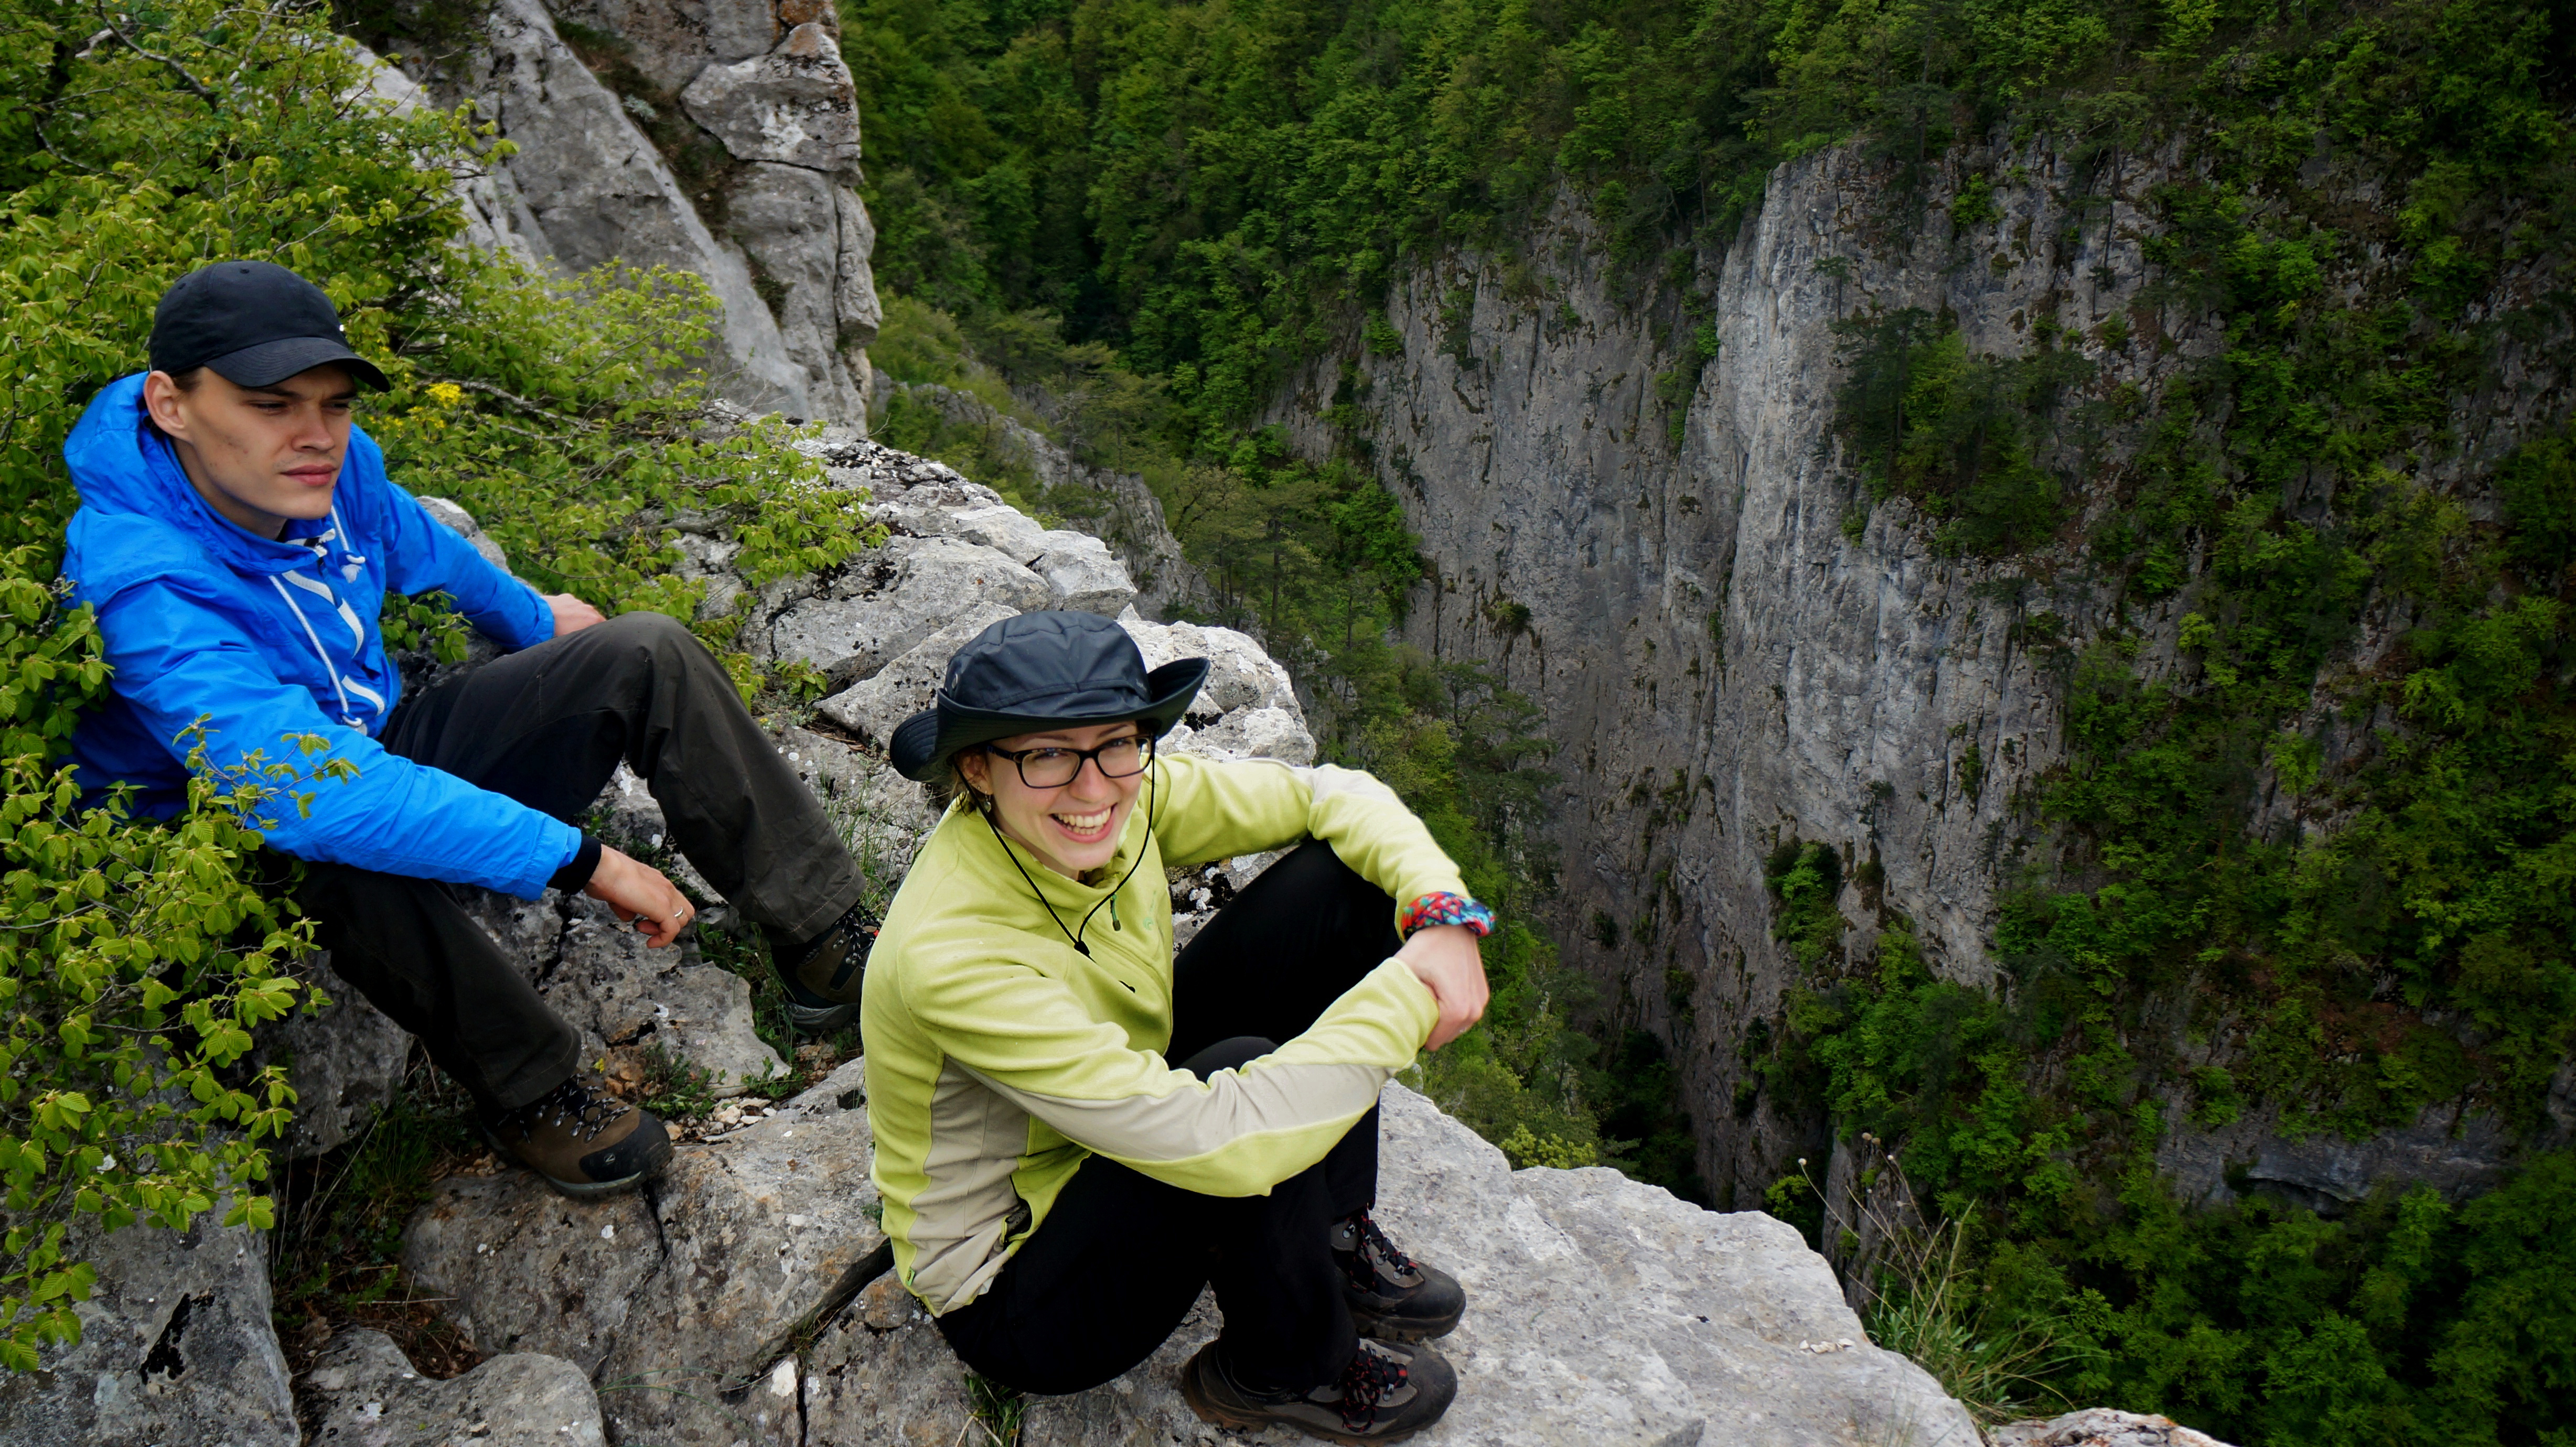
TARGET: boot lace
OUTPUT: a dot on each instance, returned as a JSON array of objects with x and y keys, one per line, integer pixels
[
  {"x": 1371, "y": 1250},
  {"x": 1366, "y": 1383},
  {"x": 575, "y": 1106}
]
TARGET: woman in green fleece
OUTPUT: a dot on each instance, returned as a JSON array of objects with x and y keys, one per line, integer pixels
[{"x": 1074, "y": 1131}]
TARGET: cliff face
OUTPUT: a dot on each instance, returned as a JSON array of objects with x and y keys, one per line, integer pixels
[
  {"x": 720, "y": 139},
  {"x": 1725, "y": 667}
]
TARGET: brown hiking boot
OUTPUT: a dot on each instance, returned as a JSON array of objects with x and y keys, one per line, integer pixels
[
  {"x": 823, "y": 974},
  {"x": 1387, "y": 1393},
  {"x": 583, "y": 1143},
  {"x": 1392, "y": 1296}
]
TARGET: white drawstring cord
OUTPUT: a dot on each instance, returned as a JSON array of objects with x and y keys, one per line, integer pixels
[{"x": 316, "y": 640}]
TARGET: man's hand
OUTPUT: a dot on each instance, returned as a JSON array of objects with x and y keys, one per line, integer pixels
[
  {"x": 1444, "y": 958},
  {"x": 638, "y": 892},
  {"x": 571, "y": 614}
]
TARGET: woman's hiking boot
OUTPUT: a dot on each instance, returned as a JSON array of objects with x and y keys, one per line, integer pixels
[
  {"x": 1385, "y": 1394},
  {"x": 1393, "y": 1297},
  {"x": 823, "y": 974},
  {"x": 584, "y": 1143}
]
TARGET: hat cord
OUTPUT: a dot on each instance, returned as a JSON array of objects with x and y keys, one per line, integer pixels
[{"x": 1078, "y": 946}]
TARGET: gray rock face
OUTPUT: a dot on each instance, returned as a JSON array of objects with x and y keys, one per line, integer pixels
[
  {"x": 344, "y": 1062},
  {"x": 678, "y": 1300},
  {"x": 1599, "y": 1311},
  {"x": 369, "y": 1396},
  {"x": 176, "y": 1348},
  {"x": 2325, "y": 1172},
  {"x": 2100, "y": 1427},
  {"x": 894, "y": 598},
  {"x": 615, "y": 991},
  {"x": 881, "y": 815},
  {"x": 791, "y": 224},
  {"x": 1129, "y": 518},
  {"x": 1081, "y": 576},
  {"x": 460, "y": 522},
  {"x": 1240, "y": 674},
  {"x": 670, "y": 41},
  {"x": 1251, "y": 733},
  {"x": 877, "y": 705},
  {"x": 783, "y": 241},
  {"x": 598, "y": 975},
  {"x": 794, "y": 105},
  {"x": 587, "y": 188},
  {"x": 880, "y": 1373},
  {"x": 1698, "y": 631}
]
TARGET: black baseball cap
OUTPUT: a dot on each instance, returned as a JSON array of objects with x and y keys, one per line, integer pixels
[{"x": 256, "y": 323}]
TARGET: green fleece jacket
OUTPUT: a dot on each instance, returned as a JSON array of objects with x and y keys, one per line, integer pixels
[{"x": 999, "y": 1059}]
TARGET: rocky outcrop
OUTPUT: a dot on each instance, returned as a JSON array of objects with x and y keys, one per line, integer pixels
[
  {"x": 1116, "y": 506},
  {"x": 343, "y": 1060},
  {"x": 1733, "y": 647},
  {"x": 1600, "y": 1311},
  {"x": 679, "y": 1299},
  {"x": 368, "y": 1396},
  {"x": 2100, "y": 1427},
  {"x": 176, "y": 1347},
  {"x": 717, "y": 138}
]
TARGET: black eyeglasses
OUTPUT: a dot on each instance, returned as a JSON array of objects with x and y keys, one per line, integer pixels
[{"x": 1053, "y": 768}]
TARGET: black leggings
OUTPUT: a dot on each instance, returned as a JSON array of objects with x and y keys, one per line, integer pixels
[{"x": 1121, "y": 1257}]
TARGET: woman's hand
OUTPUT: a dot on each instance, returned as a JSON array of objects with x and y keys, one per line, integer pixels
[
  {"x": 1444, "y": 958},
  {"x": 638, "y": 892}
]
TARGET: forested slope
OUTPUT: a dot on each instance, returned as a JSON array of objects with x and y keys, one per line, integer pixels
[{"x": 2279, "y": 538}]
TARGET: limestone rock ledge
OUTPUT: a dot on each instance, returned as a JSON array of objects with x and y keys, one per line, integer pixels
[
  {"x": 176, "y": 1347},
  {"x": 1599, "y": 1311},
  {"x": 369, "y": 1396},
  {"x": 2100, "y": 1427}
]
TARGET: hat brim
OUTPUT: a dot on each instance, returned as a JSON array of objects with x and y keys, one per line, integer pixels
[
  {"x": 270, "y": 363},
  {"x": 923, "y": 743}
]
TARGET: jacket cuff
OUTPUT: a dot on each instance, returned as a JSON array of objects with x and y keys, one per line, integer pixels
[
  {"x": 541, "y": 614},
  {"x": 578, "y": 870}
]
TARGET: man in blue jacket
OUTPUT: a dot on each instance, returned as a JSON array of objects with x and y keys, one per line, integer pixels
[{"x": 237, "y": 536}]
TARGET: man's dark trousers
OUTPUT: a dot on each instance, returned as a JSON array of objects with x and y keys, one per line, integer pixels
[{"x": 547, "y": 726}]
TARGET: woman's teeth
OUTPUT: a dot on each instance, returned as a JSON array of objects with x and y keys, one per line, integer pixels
[{"x": 1083, "y": 823}]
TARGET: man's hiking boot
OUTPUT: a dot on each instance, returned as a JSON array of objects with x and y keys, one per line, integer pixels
[
  {"x": 584, "y": 1143},
  {"x": 1386, "y": 1393},
  {"x": 1393, "y": 1297},
  {"x": 823, "y": 974}
]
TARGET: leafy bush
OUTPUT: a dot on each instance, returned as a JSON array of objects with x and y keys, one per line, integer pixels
[
  {"x": 1924, "y": 420},
  {"x": 140, "y": 954}
]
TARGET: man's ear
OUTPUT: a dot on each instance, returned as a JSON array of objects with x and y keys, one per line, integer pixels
[{"x": 161, "y": 402}]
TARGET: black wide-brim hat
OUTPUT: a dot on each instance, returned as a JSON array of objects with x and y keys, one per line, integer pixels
[{"x": 1043, "y": 671}]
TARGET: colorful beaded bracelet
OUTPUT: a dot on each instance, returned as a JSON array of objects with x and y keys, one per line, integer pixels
[{"x": 1445, "y": 908}]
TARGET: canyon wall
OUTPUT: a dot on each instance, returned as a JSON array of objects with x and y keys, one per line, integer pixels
[{"x": 1728, "y": 657}]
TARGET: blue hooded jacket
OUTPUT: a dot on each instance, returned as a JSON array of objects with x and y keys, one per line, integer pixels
[{"x": 269, "y": 639}]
